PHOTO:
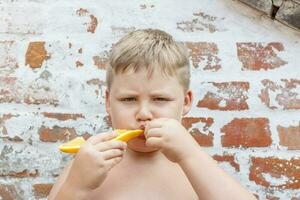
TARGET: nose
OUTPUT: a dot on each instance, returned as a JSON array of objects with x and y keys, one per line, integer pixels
[{"x": 144, "y": 113}]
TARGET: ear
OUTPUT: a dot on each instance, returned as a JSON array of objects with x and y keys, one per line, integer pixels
[
  {"x": 188, "y": 100},
  {"x": 107, "y": 102}
]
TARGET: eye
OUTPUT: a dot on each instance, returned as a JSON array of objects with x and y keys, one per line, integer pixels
[
  {"x": 128, "y": 99},
  {"x": 161, "y": 99}
]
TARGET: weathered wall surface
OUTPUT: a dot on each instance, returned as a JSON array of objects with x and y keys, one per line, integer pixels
[
  {"x": 246, "y": 80},
  {"x": 285, "y": 11}
]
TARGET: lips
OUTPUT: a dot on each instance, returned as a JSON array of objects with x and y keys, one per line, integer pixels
[
  {"x": 142, "y": 135},
  {"x": 143, "y": 126}
]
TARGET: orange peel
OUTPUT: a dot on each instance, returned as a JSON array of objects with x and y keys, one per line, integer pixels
[{"x": 73, "y": 146}]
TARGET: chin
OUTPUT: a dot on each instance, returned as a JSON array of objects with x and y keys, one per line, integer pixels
[{"x": 139, "y": 145}]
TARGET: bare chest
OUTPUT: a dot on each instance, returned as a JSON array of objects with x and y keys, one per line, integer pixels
[{"x": 147, "y": 186}]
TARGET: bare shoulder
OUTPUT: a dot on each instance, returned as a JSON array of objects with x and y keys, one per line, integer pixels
[{"x": 60, "y": 180}]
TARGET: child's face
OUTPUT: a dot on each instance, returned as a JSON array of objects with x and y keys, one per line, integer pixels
[{"x": 135, "y": 98}]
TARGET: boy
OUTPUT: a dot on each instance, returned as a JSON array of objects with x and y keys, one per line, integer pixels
[{"x": 147, "y": 88}]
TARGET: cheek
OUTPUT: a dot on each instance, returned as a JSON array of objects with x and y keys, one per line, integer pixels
[
  {"x": 171, "y": 111},
  {"x": 121, "y": 117}
]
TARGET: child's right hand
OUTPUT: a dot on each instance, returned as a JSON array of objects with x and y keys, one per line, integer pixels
[{"x": 94, "y": 160}]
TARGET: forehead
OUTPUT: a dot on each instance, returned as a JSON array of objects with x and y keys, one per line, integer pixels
[{"x": 143, "y": 81}]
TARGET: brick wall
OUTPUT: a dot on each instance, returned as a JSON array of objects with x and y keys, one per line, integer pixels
[{"x": 245, "y": 76}]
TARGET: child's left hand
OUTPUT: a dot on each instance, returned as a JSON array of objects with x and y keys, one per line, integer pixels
[{"x": 171, "y": 138}]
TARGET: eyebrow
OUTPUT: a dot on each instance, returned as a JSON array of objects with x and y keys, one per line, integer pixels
[
  {"x": 133, "y": 93},
  {"x": 160, "y": 93},
  {"x": 126, "y": 92}
]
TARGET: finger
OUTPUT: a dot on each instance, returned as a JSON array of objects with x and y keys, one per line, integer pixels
[
  {"x": 154, "y": 142},
  {"x": 101, "y": 137},
  {"x": 153, "y": 132},
  {"x": 112, "y": 162},
  {"x": 156, "y": 123},
  {"x": 113, "y": 153},
  {"x": 104, "y": 146}
]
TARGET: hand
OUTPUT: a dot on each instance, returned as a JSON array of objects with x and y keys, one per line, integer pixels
[
  {"x": 171, "y": 138},
  {"x": 94, "y": 160}
]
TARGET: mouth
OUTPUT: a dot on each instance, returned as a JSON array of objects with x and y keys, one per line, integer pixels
[{"x": 142, "y": 135}]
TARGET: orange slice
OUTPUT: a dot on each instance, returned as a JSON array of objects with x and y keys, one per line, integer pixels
[
  {"x": 126, "y": 135},
  {"x": 73, "y": 146}
]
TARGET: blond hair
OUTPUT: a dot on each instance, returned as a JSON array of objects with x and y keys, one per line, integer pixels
[{"x": 149, "y": 49}]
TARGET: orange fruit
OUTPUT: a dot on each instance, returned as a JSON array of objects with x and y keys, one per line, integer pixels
[
  {"x": 126, "y": 135},
  {"x": 73, "y": 146}
]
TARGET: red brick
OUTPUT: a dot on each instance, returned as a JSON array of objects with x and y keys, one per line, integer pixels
[
  {"x": 79, "y": 64},
  {"x": 23, "y": 174},
  {"x": 247, "y": 132},
  {"x": 286, "y": 94},
  {"x": 29, "y": 99},
  {"x": 100, "y": 86},
  {"x": 86, "y": 136},
  {"x": 56, "y": 134},
  {"x": 2, "y": 122},
  {"x": 204, "y": 54},
  {"x": 63, "y": 116},
  {"x": 9, "y": 90},
  {"x": 92, "y": 25},
  {"x": 289, "y": 136},
  {"x": 36, "y": 54},
  {"x": 199, "y": 22},
  {"x": 228, "y": 158},
  {"x": 42, "y": 190},
  {"x": 204, "y": 137},
  {"x": 256, "y": 195},
  {"x": 228, "y": 96},
  {"x": 5, "y": 136},
  {"x": 8, "y": 192},
  {"x": 40, "y": 92},
  {"x": 82, "y": 12},
  {"x": 256, "y": 56},
  {"x": 272, "y": 197},
  {"x": 276, "y": 168},
  {"x": 101, "y": 61},
  {"x": 8, "y": 52},
  {"x": 12, "y": 139}
]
